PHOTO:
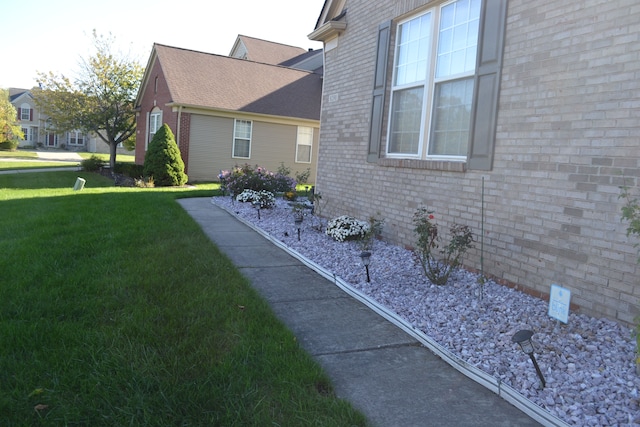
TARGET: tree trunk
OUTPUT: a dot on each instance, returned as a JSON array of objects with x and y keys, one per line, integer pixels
[{"x": 112, "y": 156}]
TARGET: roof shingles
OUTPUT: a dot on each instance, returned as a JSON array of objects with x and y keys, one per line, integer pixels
[{"x": 220, "y": 82}]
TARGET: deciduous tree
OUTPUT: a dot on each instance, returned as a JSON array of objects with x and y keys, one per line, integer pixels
[
  {"x": 9, "y": 125},
  {"x": 100, "y": 100}
]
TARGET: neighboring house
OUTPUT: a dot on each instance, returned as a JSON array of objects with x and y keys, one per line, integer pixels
[
  {"x": 225, "y": 111},
  {"x": 39, "y": 133},
  {"x": 533, "y": 108},
  {"x": 28, "y": 115}
]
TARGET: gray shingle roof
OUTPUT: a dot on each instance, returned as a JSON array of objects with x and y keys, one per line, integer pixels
[
  {"x": 269, "y": 52},
  {"x": 220, "y": 82}
]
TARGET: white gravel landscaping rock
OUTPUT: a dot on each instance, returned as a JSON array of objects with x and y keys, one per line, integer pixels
[{"x": 588, "y": 364}]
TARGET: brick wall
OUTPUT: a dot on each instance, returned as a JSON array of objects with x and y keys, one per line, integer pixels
[
  {"x": 568, "y": 136},
  {"x": 154, "y": 95}
]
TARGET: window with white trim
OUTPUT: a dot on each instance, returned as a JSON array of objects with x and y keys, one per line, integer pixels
[
  {"x": 75, "y": 138},
  {"x": 304, "y": 143},
  {"x": 155, "y": 122},
  {"x": 433, "y": 82},
  {"x": 242, "y": 139},
  {"x": 25, "y": 112}
]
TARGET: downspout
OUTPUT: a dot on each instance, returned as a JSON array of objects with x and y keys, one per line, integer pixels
[{"x": 179, "y": 125}]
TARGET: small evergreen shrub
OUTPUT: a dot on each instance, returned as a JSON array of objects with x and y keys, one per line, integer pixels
[
  {"x": 92, "y": 164},
  {"x": 162, "y": 161}
]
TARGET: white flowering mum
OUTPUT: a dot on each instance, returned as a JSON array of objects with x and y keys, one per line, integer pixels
[
  {"x": 347, "y": 228},
  {"x": 265, "y": 198}
]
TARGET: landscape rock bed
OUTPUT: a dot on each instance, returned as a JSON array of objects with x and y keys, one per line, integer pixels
[{"x": 588, "y": 364}]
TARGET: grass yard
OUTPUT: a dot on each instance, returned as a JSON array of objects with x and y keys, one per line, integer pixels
[{"x": 115, "y": 309}]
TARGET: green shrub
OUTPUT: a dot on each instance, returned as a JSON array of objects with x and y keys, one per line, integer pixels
[
  {"x": 92, "y": 164},
  {"x": 428, "y": 246},
  {"x": 10, "y": 145},
  {"x": 130, "y": 169},
  {"x": 162, "y": 161},
  {"x": 303, "y": 177}
]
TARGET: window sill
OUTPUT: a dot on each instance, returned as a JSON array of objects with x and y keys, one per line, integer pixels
[{"x": 440, "y": 165}]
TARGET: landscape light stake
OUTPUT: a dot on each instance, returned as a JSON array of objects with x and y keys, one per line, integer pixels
[
  {"x": 257, "y": 206},
  {"x": 523, "y": 338},
  {"x": 298, "y": 221},
  {"x": 365, "y": 256}
]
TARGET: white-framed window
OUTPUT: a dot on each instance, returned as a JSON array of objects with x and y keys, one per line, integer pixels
[
  {"x": 75, "y": 137},
  {"x": 25, "y": 112},
  {"x": 304, "y": 143},
  {"x": 155, "y": 122},
  {"x": 433, "y": 82},
  {"x": 25, "y": 132},
  {"x": 242, "y": 139}
]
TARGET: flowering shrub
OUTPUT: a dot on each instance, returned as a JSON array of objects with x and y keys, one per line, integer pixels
[
  {"x": 265, "y": 199},
  {"x": 429, "y": 243},
  {"x": 347, "y": 228},
  {"x": 256, "y": 178}
]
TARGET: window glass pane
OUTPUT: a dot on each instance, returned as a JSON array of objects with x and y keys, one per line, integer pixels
[
  {"x": 458, "y": 38},
  {"x": 452, "y": 118},
  {"x": 303, "y": 154},
  {"x": 304, "y": 143},
  {"x": 413, "y": 50},
  {"x": 406, "y": 114},
  {"x": 243, "y": 129},
  {"x": 241, "y": 148}
]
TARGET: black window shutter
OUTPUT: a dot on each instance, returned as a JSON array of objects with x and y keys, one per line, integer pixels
[
  {"x": 487, "y": 84},
  {"x": 379, "y": 89}
]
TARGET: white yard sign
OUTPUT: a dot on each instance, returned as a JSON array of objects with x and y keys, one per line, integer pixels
[{"x": 559, "y": 300}]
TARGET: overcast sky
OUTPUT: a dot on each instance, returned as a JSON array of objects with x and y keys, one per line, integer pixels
[{"x": 46, "y": 35}]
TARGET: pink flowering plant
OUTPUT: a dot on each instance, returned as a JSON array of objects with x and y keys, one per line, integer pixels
[
  {"x": 256, "y": 178},
  {"x": 438, "y": 262}
]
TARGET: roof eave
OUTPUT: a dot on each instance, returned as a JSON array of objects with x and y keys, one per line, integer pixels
[{"x": 328, "y": 31}]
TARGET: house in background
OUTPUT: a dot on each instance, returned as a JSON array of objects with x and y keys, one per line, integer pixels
[
  {"x": 38, "y": 132},
  {"x": 530, "y": 107},
  {"x": 231, "y": 110}
]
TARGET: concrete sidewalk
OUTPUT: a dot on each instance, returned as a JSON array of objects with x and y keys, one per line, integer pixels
[{"x": 382, "y": 371}]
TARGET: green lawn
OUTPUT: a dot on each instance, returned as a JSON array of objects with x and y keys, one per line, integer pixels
[
  {"x": 115, "y": 309},
  {"x": 28, "y": 159}
]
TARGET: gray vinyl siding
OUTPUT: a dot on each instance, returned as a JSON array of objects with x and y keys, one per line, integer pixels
[{"x": 210, "y": 147}]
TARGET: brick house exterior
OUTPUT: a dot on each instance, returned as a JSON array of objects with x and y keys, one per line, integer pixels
[
  {"x": 207, "y": 99},
  {"x": 549, "y": 133}
]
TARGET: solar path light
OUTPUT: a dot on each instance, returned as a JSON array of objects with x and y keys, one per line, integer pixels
[
  {"x": 365, "y": 256},
  {"x": 298, "y": 221},
  {"x": 523, "y": 338}
]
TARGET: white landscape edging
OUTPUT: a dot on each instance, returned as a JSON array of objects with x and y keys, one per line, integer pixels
[{"x": 506, "y": 392}]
